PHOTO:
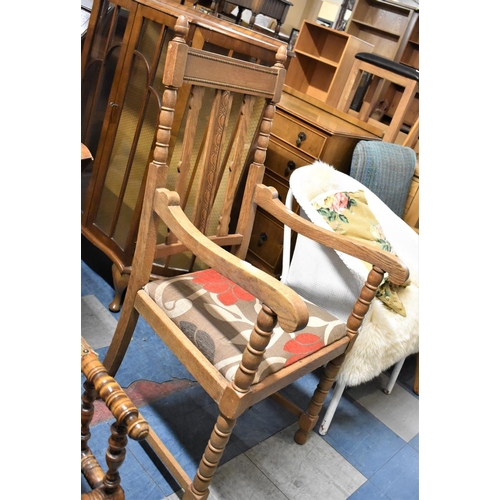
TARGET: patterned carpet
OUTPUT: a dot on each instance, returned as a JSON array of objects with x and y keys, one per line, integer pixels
[{"x": 370, "y": 452}]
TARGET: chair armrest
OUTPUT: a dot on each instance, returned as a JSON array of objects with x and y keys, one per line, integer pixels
[
  {"x": 267, "y": 198},
  {"x": 288, "y": 305}
]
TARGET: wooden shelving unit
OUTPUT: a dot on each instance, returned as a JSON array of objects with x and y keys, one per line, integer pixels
[
  {"x": 323, "y": 59},
  {"x": 410, "y": 51},
  {"x": 383, "y": 23}
]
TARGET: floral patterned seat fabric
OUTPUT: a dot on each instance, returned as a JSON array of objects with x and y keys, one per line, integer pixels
[{"x": 218, "y": 317}]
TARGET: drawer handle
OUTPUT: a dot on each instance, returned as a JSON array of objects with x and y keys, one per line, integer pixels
[
  {"x": 262, "y": 239},
  {"x": 290, "y": 166},
  {"x": 300, "y": 138}
]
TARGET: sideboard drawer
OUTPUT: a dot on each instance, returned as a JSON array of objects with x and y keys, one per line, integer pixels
[
  {"x": 267, "y": 243},
  {"x": 283, "y": 159},
  {"x": 299, "y": 134}
]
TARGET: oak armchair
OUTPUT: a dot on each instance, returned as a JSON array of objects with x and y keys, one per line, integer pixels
[{"x": 242, "y": 334}]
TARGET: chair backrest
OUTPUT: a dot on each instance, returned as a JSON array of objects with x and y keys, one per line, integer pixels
[
  {"x": 386, "y": 169},
  {"x": 207, "y": 166}
]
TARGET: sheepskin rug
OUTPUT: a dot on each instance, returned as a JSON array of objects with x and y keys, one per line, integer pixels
[{"x": 385, "y": 337}]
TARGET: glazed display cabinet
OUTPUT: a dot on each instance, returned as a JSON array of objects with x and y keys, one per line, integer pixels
[{"x": 122, "y": 65}]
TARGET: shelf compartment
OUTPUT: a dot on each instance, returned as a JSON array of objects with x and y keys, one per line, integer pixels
[
  {"x": 385, "y": 16},
  {"x": 372, "y": 28},
  {"x": 410, "y": 56},
  {"x": 310, "y": 76},
  {"x": 321, "y": 43},
  {"x": 319, "y": 59}
]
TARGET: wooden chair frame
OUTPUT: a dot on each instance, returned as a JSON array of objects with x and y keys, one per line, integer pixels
[
  {"x": 380, "y": 77},
  {"x": 281, "y": 305}
]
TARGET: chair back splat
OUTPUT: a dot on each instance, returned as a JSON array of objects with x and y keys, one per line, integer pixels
[{"x": 242, "y": 334}]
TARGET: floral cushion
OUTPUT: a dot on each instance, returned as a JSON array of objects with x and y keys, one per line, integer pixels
[
  {"x": 218, "y": 317},
  {"x": 347, "y": 212}
]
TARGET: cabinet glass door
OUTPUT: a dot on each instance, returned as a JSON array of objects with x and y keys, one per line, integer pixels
[
  {"x": 99, "y": 73},
  {"x": 138, "y": 112}
]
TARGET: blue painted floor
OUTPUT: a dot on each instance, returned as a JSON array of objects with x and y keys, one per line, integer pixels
[{"x": 373, "y": 440}]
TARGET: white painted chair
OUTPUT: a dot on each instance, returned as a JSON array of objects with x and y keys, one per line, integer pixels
[{"x": 333, "y": 281}]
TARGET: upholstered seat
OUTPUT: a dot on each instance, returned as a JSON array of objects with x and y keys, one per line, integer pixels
[{"x": 217, "y": 316}]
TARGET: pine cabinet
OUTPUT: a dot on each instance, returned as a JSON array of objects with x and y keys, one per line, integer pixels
[{"x": 384, "y": 23}]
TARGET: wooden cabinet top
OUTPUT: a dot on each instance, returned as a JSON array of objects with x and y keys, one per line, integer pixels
[
  {"x": 330, "y": 120},
  {"x": 215, "y": 30}
]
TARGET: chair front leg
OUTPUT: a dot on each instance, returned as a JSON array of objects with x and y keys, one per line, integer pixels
[
  {"x": 308, "y": 419},
  {"x": 229, "y": 405},
  {"x": 198, "y": 490}
]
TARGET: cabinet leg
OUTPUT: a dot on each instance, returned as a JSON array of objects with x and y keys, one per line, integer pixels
[{"x": 120, "y": 282}]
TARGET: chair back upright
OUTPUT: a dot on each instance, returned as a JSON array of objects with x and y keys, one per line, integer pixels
[{"x": 207, "y": 166}]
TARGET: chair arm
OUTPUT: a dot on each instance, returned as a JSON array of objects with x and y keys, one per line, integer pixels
[
  {"x": 288, "y": 305},
  {"x": 267, "y": 198}
]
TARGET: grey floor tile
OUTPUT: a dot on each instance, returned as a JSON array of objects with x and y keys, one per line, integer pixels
[
  {"x": 309, "y": 472},
  {"x": 98, "y": 324},
  {"x": 399, "y": 410},
  {"x": 241, "y": 478},
  {"x": 280, "y": 469}
]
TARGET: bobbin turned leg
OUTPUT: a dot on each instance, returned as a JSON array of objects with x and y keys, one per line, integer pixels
[
  {"x": 198, "y": 490},
  {"x": 309, "y": 418},
  {"x": 243, "y": 379}
]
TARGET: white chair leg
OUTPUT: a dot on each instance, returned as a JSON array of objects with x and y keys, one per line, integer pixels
[
  {"x": 394, "y": 376},
  {"x": 330, "y": 411}
]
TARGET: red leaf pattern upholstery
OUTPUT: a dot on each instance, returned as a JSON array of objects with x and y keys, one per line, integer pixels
[{"x": 217, "y": 316}]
